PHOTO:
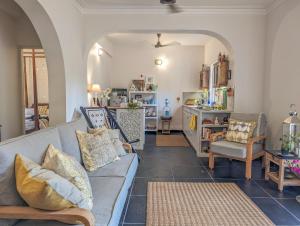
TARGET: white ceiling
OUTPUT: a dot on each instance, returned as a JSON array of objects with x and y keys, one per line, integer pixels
[
  {"x": 142, "y": 38},
  {"x": 225, "y": 4}
]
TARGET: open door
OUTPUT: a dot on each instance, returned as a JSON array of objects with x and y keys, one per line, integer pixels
[{"x": 35, "y": 86}]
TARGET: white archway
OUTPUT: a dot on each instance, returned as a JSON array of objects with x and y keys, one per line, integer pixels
[{"x": 55, "y": 62}]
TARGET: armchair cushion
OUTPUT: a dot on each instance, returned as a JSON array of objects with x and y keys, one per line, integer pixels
[
  {"x": 240, "y": 131},
  {"x": 259, "y": 118},
  {"x": 233, "y": 149}
]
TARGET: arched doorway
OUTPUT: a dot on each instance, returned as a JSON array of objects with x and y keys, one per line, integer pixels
[
  {"x": 55, "y": 62},
  {"x": 114, "y": 70}
]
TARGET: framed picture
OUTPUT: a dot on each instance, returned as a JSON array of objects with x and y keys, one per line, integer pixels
[{"x": 139, "y": 84}]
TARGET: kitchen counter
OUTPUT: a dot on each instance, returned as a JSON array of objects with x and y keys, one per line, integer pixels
[{"x": 198, "y": 137}]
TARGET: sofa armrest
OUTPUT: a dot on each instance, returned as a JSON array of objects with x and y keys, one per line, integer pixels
[
  {"x": 127, "y": 147},
  {"x": 215, "y": 136},
  {"x": 71, "y": 215}
]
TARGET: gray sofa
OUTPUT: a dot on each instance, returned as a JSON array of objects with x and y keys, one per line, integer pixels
[{"x": 110, "y": 184}]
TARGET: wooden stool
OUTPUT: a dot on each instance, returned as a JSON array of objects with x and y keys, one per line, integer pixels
[{"x": 165, "y": 125}]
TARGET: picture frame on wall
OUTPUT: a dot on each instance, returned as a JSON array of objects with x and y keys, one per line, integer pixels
[{"x": 139, "y": 84}]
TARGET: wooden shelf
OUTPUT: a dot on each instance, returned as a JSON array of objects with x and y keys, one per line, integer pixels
[
  {"x": 151, "y": 130},
  {"x": 150, "y": 105},
  {"x": 213, "y": 126},
  {"x": 137, "y": 92}
]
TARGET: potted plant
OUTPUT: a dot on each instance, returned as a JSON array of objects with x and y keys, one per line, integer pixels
[{"x": 286, "y": 144}]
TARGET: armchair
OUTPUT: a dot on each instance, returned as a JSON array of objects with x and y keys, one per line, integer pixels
[{"x": 254, "y": 149}]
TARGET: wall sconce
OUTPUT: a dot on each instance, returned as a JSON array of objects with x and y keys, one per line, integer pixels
[{"x": 158, "y": 62}]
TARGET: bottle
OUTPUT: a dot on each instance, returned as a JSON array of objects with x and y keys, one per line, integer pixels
[{"x": 166, "y": 109}]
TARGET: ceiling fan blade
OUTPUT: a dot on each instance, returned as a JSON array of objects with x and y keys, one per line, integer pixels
[
  {"x": 169, "y": 44},
  {"x": 174, "y": 8},
  {"x": 173, "y": 44}
]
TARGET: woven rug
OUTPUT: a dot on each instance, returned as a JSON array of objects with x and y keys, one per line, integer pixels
[
  {"x": 194, "y": 204},
  {"x": 171, "y": 141}
]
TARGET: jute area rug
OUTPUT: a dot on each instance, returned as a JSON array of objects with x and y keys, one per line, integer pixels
[
  {"x": 194, "y": 204},
  {"x": 171, "y": 141}
]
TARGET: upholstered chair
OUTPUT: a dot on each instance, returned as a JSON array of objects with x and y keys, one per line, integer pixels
[{"x": 253, "y": 149}]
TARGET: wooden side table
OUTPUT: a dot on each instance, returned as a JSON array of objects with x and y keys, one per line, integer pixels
[
  {"x": 278, "y": 177},
  {"x": 166, "y": 125}
]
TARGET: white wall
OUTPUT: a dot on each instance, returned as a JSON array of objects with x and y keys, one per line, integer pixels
[
  {"x": 68, "y": 23},
  {"x": 180, "y": 74},
  {"x": 99, "y": 68},
  {"x": 212, "y": 49},
  {"x": 282, "y": 71},
  {"x": 12, "y": 37},
  {"x": 10, "y": 87}
]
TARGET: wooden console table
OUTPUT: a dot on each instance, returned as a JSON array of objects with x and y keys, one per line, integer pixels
[{"x": 278, "y": 177}]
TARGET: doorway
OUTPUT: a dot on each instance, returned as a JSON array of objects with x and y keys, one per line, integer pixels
[{"x": 36, "y": 91}]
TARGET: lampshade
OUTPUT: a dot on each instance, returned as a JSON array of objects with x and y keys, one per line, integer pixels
[{"x": 95, "y": 88}]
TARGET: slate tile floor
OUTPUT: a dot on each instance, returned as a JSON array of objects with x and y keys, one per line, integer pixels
[{"x": 181, "y": 164}]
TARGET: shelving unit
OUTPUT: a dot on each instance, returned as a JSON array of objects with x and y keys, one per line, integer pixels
[
  {"x": 149, "y": 99},
  {"x": 197, "y": 137}
]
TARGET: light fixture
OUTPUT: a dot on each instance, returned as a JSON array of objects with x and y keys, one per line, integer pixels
[
  {"x": 158, "y": 61},
  {"x": 94, "y": 89}
]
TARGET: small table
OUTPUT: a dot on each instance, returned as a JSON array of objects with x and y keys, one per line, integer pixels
[
  {"x": 277, "y": 158},
  {"x": 166, "y": 125}
]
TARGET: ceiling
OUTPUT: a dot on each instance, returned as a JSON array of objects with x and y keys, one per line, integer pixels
[
  {"x": 192, "y": 4},
  {"x": 151, "y": 39}
]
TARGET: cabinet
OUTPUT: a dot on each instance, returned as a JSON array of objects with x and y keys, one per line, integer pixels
[
  {"x": 196, "y": 137},
  {"x": 149, "y": 100},
  {"x": 132, "y": 122}
]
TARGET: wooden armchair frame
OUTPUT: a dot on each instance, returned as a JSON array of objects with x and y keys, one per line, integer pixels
[
  {"x": 249, "y": 156},
  {"x": 71, "y": 215}
]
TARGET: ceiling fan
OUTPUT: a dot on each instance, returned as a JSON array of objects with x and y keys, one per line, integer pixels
[
  {"x": 172, "y": 6},
  {"x": 160, "y": 45}
]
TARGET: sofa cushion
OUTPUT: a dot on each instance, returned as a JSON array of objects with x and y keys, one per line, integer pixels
[
  {"x": 117, "y": 169},
  {"x": 240, "y": 131},
  {"x": 110, "y": 195},
  {"x": 34, "y": 146},
  {"x": 68, "y": 137},
  {"x": 69, "y": 168},
  {"x": 41, "y": 223},
  {"x": 97, "y": 149},
  {"x": 233, "y": 149},
  {"x": 43, "y": 189},
  {"x": 260, "y": 119}
]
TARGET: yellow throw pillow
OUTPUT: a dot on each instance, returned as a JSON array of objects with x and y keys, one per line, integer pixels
[
  {"x": 114, "y": 137},
  {"x": 43, "y": 189},
  {"x": 97, "y": 150},
  {"x": 69, "y": 168},
  {"x": 239, "y": 131}
]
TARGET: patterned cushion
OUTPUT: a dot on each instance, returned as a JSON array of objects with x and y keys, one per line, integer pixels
[
  {"x": 97, "y": 117},
  {"x": 114, "y": 136},
  {"x": 97, "y": 149},
  {"x": 240, "y": 131},
  {"x": 43, "y": 189},
  {"x": 67, "y": 167}
]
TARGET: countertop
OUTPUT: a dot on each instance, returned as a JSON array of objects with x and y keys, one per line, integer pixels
[{"x": 195, "y": 107}]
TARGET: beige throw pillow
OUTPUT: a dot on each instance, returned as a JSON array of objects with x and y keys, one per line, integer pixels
[
  {"x": 114, "y": 136},
  {"x": 69, "y": 168},
  {"x": 97, "y": 149}
]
